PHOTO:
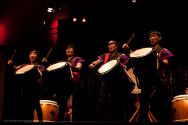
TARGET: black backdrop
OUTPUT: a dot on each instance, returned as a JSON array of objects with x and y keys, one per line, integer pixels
[{"x": 107, "y": 20}]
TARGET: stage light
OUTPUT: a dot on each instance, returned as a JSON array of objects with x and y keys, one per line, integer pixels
[
  {"x": 50, "y": 10},
  {"x": 74, "y": 19},
  {"x": 84, "y": 20}
]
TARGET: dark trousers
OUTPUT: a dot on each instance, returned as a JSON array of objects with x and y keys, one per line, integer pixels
[
  {"x": 29, "y": 103},
  {"x": 113, "y": 101},
  {"x": 79, "y": 102}
]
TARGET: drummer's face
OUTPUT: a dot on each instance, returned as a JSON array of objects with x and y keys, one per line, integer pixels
[
  {"x": 154, "y": 38},
  {"x": 69, "y": 51},
  {"x": 112, "y": 47},
  {"x": 32, "y": 56}
]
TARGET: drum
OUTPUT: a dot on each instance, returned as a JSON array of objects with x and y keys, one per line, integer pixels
[
  {"x": 25, "y": 69},
  {"x": 141, "y": 52},
  {"x": 57, "y": 66},
  {"x": 58, "y": 71},
  {"x": 50, "y": 110},
  {"x": 144, "y": 59},
  {"x": 180, "y": 108},
  {"x": 111, "y": 70},
  {"x": 27, "y": 74}
]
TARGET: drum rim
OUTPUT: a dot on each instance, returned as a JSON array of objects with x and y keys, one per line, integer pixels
[
  {"x": 66, "y": 63},
  {"x": 180, "y": 97},
  {"x": 50, "y": 101},
  {"x": 109, "y": 69},
  {"x": 181, "y": 120},
  {"x": 141, "y": 49},
  {"x": 16, "y": 72}
]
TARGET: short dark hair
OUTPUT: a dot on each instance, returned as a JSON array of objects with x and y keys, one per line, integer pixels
[
  {"x": 155, "y": 32},
  {"x": 113, "y": 41},
  {"x": 70, "y": 46},
  {"x": 34, "y": 51}
]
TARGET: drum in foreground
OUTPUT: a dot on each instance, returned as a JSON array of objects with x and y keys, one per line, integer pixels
[
  {"x": 50, "y": 110},
  {"x": 180, "y": 108}
]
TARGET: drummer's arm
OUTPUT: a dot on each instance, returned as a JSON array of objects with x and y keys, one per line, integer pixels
[
  {"x": 95, "y": 63},
  {"x": 11, "y": 63},
  {"x": 126, "y": 49},
  {"x": 165, "y": 61},
  {"x": 45, "y": 62},
  {"x": 78, "y": 66}
]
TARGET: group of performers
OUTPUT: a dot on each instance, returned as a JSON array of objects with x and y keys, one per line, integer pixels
[{"x": 115, "y": 85}]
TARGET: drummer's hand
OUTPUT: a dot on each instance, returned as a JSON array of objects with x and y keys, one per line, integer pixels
[
  {"x": 123, "y": 66},
  {"x": 91, "y": 65},
  {"x": 10, "y": 62},
  {"x": 125, "y": 46},
  {"x": 44, "y": 60},
  {"x": 70, "y": 64}
]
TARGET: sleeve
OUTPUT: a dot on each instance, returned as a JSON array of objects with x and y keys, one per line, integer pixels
[
  {"x": 164, "y": 54},
  {"x": 124, "y": 59},
  {"x": 41, "y": 68},
  {"x": 101, "y": 57},
  {"x": 79, "y": 60}
]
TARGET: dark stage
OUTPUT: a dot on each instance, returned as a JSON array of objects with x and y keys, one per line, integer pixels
[{"x": 26, "y": 25}]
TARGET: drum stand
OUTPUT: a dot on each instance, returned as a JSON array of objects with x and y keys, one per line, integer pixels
[
  {"x": 136, "y": 114},
  {"x": 137, "y": 91}
]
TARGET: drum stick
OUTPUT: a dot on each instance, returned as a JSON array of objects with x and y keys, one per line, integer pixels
[
  {"x": 14, "y": 53},
  {"x": 131, "y": 38},
  {"x": 71, "y": 73},
  {"x": 49, "y": 52}
]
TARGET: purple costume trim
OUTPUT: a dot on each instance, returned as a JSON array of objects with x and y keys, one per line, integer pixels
[
  {"x": 76, "y": 60},
  {"x": 164, "y": 54}
]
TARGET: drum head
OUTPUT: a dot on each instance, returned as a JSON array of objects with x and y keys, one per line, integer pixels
[
  {"x": 24, "y": 69},
  {"x": 141, "y": 52},
  {"x": 56, "y": 66},
  {"x": 107, "y": 66}
]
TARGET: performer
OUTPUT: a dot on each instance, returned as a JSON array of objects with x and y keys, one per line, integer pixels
[
  {"x": 72, "y": 86},
  {"x": 151, "y": 79},
  {"x": 164, "y": 61},
  {"x": 112, "y": 92},
  {"x": 30, "y": 93}
]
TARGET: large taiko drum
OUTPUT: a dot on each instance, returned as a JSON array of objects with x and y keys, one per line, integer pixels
[
  {"x": 111, "y": 70},
  {"x": 180, "y": 108},
  {"x": 27, "y": 71},
  {"x": 58, "y": 71},
  {"x": 144, "y": 58},
  {"x": 27, "y": 74},
  {"x": 50, "y": 110}
]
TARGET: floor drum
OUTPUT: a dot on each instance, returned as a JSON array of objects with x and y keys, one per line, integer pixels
[
  {"x": 50, "y": 110},
  {"x": 180, "y": 108}
]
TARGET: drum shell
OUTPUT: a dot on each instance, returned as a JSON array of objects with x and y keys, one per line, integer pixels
[
  {"x": 58, "y": 75},
  {"x": 145, "y": 63},
  {"x": 50, "y": 110},
  {"x": 28, "y": 78},
  {"x": 180, "y": 108},
  {"x": 58, "y": 80}
]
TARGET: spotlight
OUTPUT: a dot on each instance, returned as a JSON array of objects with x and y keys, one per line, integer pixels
[
  {"x": 50, "y": 10},
  {"x": 74, "y": 19},
  {"x": 84, "y": 20}
]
